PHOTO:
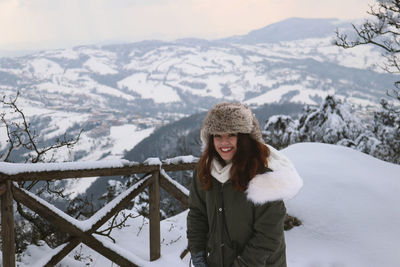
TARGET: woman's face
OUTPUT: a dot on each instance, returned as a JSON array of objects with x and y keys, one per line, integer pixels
[{"x": 225, "y": 144}]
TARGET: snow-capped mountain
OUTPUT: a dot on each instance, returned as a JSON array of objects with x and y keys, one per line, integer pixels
[{"x": 128, "y": 89}]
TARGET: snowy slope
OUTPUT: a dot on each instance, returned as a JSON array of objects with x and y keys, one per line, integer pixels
[{"x": 348, "y": 207}]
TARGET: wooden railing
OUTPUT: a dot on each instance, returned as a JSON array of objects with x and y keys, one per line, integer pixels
[{"x": 82, "y": 231}]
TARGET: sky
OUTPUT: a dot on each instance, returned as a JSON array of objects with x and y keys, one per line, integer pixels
[{"x": 50, "y": 24}]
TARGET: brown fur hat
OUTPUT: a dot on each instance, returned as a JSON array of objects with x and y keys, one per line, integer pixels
[{"x": 230, "y": 118}]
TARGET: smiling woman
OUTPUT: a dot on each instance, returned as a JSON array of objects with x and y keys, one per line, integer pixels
[{"x": 236, "y": 208}]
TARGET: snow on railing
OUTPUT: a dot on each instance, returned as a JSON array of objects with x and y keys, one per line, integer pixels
[
  {"x": 181, "y": 159},
  {"x": 152, "y": 161},
  {"x": 82, "y": 230},
  {"x": 17, "y": 168},
  {"x": 62, "y": 170},
  {"x": 177, "y": 185}
]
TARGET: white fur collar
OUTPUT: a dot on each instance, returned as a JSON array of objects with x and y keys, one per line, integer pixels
[{"x": 281, "y": 184}]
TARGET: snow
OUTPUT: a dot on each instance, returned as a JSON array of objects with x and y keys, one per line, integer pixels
[
  {"x": 230, "y": 73},
  {"x": 126, "y": 253},
  {"x": 66, "y": 53},
  {"x": 177, "y": 185},
  {"x": 181, "y": 159},
  {"x": 50, "y": 87},
  {"x": 152, "y": 89},
  {"x": 107, "y": 90},
  {"x": 63, "y": 122},
  {"x": 126, "y": 137},
  {"x": 17, "y": 168},
  {"x": 348, "y": 207},
  {"x": 274, "y": 95},
  {"x": 40, "y": 255},
  {"x": 305, "y": 94},
  {"x": 153, "y": 161},
  {"x": 100, "y": 65},
  {"x": 43, "y": 68},
  {"x": 215, "y": 82}
]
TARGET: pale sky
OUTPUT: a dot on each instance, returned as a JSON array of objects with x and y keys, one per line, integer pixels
[{"x": 48, "y": 24}]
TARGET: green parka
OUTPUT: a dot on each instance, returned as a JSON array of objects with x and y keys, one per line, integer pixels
[{"x": 237, "y": 228}]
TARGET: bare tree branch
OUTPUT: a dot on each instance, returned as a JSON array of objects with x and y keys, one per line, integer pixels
[
  {"x": 382, "y": 31},
  {"x": 20, "y": 135},
  {"x": 116, "y": 224}
]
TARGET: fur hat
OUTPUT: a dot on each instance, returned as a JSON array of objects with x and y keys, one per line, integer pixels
[{"x": 230, "y": 118}]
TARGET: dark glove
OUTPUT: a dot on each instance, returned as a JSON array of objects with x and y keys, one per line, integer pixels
[{"x": 199, "y": 259}]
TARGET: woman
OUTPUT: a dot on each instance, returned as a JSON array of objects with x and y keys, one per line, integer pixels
[{"x": 236, "y": 210}]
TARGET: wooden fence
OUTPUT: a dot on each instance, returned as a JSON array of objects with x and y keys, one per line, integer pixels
[{"x": 155, "y": 179}]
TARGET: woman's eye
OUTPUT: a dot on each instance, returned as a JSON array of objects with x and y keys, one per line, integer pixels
[
  {"x": 232, "y": 134},
  {"x": 217, "y": 136}
]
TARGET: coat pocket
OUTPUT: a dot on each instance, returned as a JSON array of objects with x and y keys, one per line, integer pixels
[
  {"x": 215, "y": 252},
  {"x": 230, "y": 253},
  {"x": 212, "y": 256}
]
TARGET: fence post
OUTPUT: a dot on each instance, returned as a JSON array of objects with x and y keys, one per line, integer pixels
[
  {"x": 7, "y": 226},
  {"x": 154, "y": 216}
]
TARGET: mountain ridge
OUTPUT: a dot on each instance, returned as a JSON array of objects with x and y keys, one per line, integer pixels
[{"x": 290, "y": 29}]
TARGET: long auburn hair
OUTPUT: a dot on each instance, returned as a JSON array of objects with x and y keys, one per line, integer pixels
[{"x": 249, "y": 160}]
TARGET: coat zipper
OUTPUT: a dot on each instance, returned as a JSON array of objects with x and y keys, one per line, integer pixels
[
  {"x": 224, "y": 226},
  {"x": 222, "y": 211}
]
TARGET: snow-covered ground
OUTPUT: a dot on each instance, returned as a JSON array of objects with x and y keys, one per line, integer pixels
[{"x": 348, "y": 206}]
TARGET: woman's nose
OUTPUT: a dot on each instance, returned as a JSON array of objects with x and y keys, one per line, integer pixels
[{"x": 225, "y": 139}]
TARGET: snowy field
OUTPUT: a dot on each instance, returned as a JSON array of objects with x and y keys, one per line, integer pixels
[{"x": 348, "y": 206}]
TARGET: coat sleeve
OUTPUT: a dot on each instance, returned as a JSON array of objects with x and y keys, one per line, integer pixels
[
  {"x": 268, "y": 237},
  {"x": 197, "y": 223}
]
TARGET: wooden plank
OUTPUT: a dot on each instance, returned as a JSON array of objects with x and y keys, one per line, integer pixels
[
  {"x": 85, "y": 173},
  {"x": 3, "y": 189},
  {"x": 79, "y": 173},
  {"x": 66, "y": 226},
  {"x": 75, "y": 241},
  {"x": 174, "y": 191},
  {"x": 179, "y": 167},
  {"x": 154, "y": 216},
  {"x": 7, "y": 226}
]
